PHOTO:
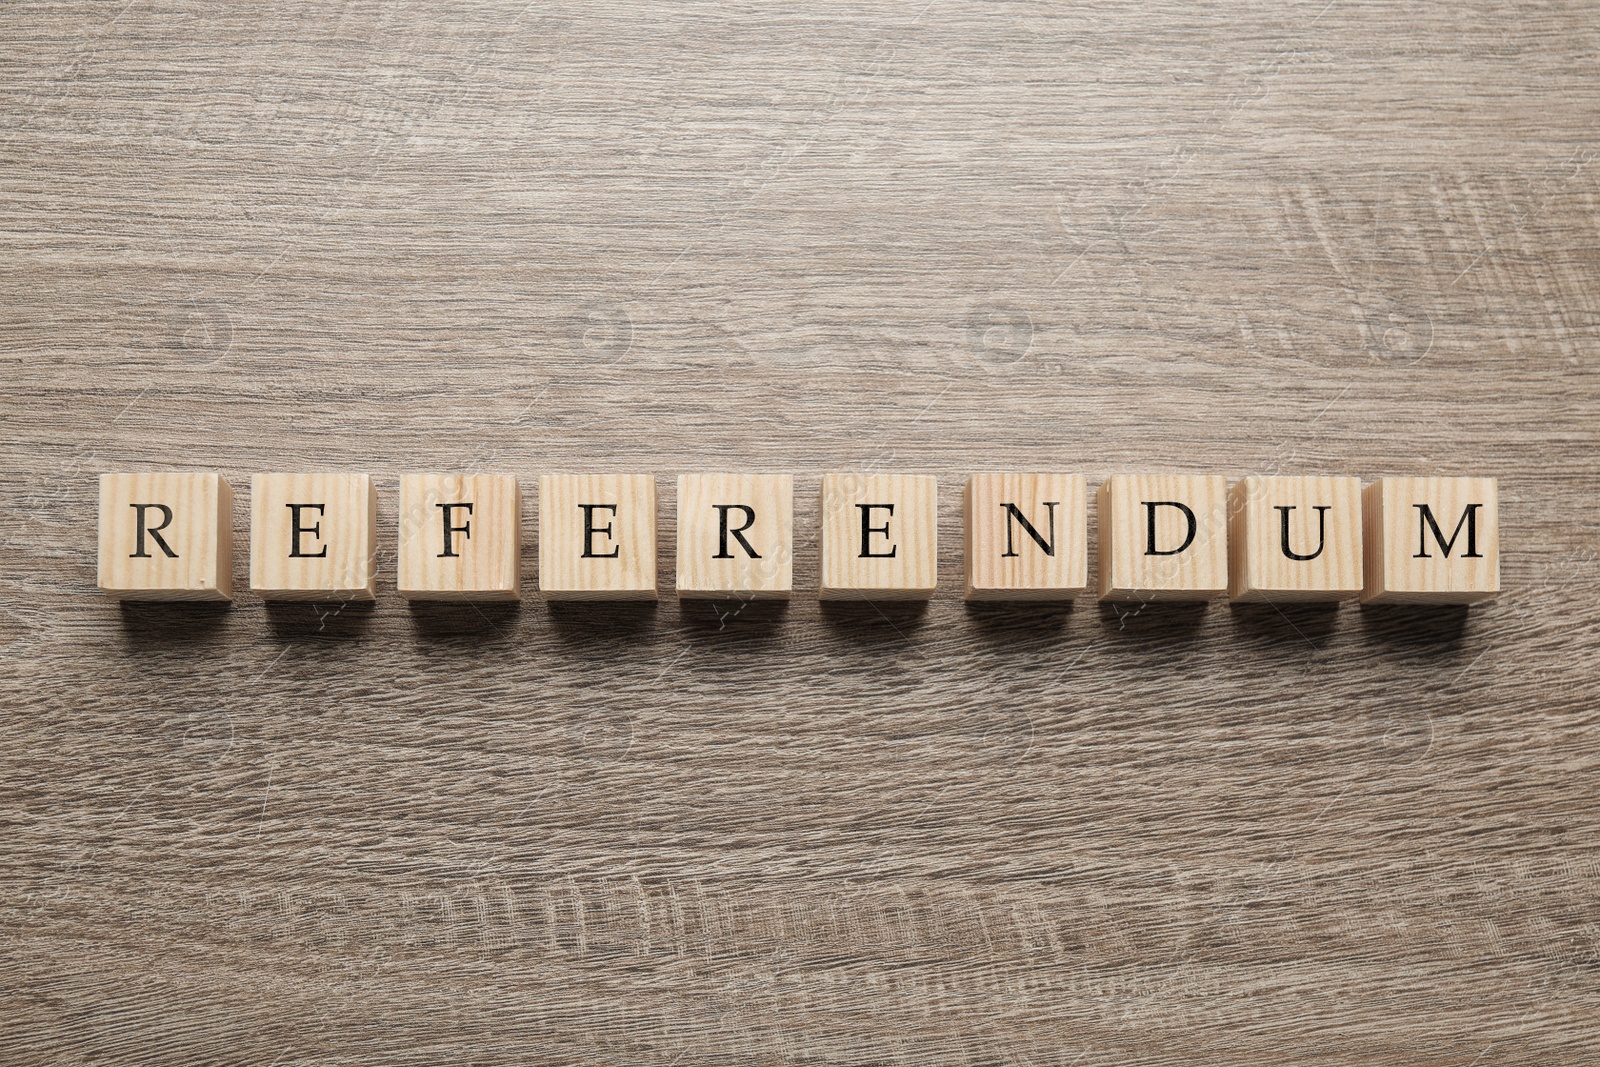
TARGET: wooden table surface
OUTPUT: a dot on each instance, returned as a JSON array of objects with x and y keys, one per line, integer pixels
[{"x": 1323, "y": 237}]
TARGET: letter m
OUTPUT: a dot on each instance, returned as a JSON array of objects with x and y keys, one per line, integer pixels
[{"x": 1427, "y": 522}]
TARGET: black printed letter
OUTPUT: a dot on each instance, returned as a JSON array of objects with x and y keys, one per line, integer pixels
[
  {"x": 295, "y": 530},
  {"x": 1150, "y": 544},
  {"x": 464, "y": 528},
  {"x": 1322, "y": 527},
  {"x": 867, "y": 530},
  {"x": 153, "y": 531},
  {"x": 749, "y": 521},
  {"x": 1470, "y": 519},
  {"x": 1012, "y": 512},
  {"x": 590, "y": 529}
]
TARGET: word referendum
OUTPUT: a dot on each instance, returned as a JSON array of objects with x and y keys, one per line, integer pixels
[{"x": 1161, "y": 537}]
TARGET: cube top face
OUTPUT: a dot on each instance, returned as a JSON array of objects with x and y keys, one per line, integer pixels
[
  {"x": 1431, "y": 540},
  {"x": 1163, "y": 537},
  {"x": 880, "y": 536},
  {"x": 736, "y": 536},
  {"x": 313, "y": 536},
  {"x": 597, "y": 536},
  {"x": 460, "y": 537},
  {"x": 1026, "y": 536},
  {"x": 1294, "y": 539},
  {"x": 166, "y": 537}
]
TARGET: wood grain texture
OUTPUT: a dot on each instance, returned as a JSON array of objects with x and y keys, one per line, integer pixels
[
  {"x": 1294, "y": 539},
  {"x": 880, "y": 536},
  {"x": 735, "y": 536},
  {"x": 1248, "y": 238},
  {"x": 1431, "y": 540},
  {"x": 459, "y": 537},
  {"x": 1003, "y": 558},
  {"x": 1163, "y": 537},
  {"x": 313, "y": 537},
  {"x": 165, "y": 536},
  {"x": 597, "y": 536}
]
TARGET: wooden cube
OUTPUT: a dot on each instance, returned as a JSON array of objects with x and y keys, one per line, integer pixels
[
  {"x": 880, "y": 537},
  {"x": 736, "y": 536},
  {"x": 166, "y": 537},
  {"x": 1026, "y": 536},
  {"x": 313, "y": 537},
  {"x": 460, "y": 537},
  {"x": 1431, "y": 540},
  {"x": 597, "y": 536},
  {"x": 1163, "y": 537},
  {"x": 1294, "y": 539}
]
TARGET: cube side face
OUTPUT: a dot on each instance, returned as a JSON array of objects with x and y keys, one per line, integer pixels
[
  {"x": 1025, "y": 536},
  {"x": 166, "y": 537},
  {"x": 448, "y": 551},
  {"x": 859, "y": 531},
  {"x": 1295, "y": 539},
  {"x": 1106, "y": 519},
  {"x": 1238, "y": 537},
  {"x": 1372, "y": 546},
  {"x": 1184, "y": 556},
  {"x": 224, "y": 539},
  {"x": 313, "y": 536},
  {"x": 736, "y": 536},
  {"x": 967, "y": 550},
  {"x": 1432, "y": 541},
  {"x": 597, "y": 536}
]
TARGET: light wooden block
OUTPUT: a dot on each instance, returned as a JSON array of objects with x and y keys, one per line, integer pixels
[
  {"x": 880, "y": 537},
  {"x": 1294, "y": 539},
  {"x": 313, "y": 537},
  {"x": 460, "y": 537},
  {"x": 166, "y": 537},
  {"x": 597, "y": 536},
  {"x": 1163, "y": 537},
  {"x": 736, "y": 536},
  {"x": 1026, "y": 536},
  {"x": 1431, "y": 540}
]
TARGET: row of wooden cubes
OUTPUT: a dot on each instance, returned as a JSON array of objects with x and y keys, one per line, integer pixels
[{"x": 168, "y": 536}]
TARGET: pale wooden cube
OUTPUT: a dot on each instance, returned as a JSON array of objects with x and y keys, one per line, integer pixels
[
  {"x": 166, "y": 536},
  {"x": 1431, "y": 540},
  {"x": 736, "y": 536},
  {"x": 313, "y": 537},
  {"x": 1026, "y": 536},
  {"x": 1294, "y": 539},
  {"x": 597, "y": 536},
  {"x": 880, "y": 537},
  {"x": 1163, "y": 537},
  {"x": 460, "y": 537}
]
